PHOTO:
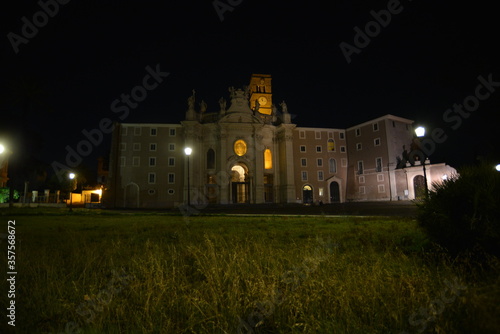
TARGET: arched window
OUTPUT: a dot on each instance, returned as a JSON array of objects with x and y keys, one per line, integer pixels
[
  {"x": 210, "y": 159},
  {"x": 268, "y": 159},
  {"x": 331, "y": 145},
  {"x": 332, "y": 165}
]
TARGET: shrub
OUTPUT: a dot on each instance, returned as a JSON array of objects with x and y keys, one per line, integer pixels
[{"x": 463, "y": 212}]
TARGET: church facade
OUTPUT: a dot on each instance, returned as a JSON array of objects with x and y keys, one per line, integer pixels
[{"x": 249, "y": 151}]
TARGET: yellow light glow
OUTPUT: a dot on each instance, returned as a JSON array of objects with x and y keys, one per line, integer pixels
[
  {"x": 240, "y": 147},
  {"x": 98, "y": 191},
  {"x": 268, "y": 159}
]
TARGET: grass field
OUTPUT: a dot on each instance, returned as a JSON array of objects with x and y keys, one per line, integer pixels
[{"x": 106, "y": 272}]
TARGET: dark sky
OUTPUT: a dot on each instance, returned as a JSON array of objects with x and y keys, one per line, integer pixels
[{"x": 426, "y": 59}]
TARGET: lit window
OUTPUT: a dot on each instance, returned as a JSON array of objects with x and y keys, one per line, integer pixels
[
  {"x": 268, "y": 159},
  {"x": 240, "y": 147},
  {"x": 331, "y": 145}
]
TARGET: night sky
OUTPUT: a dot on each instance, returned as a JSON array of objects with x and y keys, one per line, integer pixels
[{"x": 425, "y": 60}]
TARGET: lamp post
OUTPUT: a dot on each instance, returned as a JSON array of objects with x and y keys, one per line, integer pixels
[
  {"x": 188, "y": 152},
  {"x": 420, "y": 132},
  {"x": 497, "y": 167},
  {"x": 71, "y": 176}
]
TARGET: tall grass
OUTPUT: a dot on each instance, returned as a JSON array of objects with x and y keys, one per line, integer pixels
[{"x": 315, "y": 275}]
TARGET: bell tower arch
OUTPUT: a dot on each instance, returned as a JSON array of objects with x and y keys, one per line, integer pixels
[{"x": 260, "y": 90}]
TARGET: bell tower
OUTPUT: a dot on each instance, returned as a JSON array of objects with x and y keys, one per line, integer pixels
[{"x": 260, "y": 90}]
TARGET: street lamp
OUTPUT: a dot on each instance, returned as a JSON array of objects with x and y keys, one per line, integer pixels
[
  {"x": 188, "y": 152},
  {"x": 71, "y": 176},
  {"x": 420, "y": 132}
]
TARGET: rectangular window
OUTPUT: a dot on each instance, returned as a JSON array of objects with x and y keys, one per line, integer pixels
[
  {"x": 362, "y": 190},
  {"x": 361, "y": 179},
  {"x": 302, "y": 134},
  {"x": 136, "y": 161},
  {"x": 378, "y": 164},
  {"x": 358, "y": 132},
  {"x": 152, "y": 147},
  {"x": 122, "y": 161},
  {"x": 375, "y": 126},
  {"x": 152, "y": 132},
  {"x": 137, "y": 146},
  {"x": 302, "y": 148},
  {"x": 171, "y": 132},
  {"x": 342, "y": 135},
  {"x": 303, "y": 162},
  {"x": 151, "y": 178},
  {"x": 344, "y": 162},
  {"x": 359, "y": 146},
  {"x": 320, "y": 175},
  {"x": 124, "y": 131},
  {"x": 380, "y": 177},
  {"x": 171, "y": 178},
  {"x": 319, "y": 162},
  {"x": 152, "y": 162},
  {"x": 393, "y": 124},
  {"x": 381, "y": 188},
  {"x": 123, "y": 147},
  {"x": 360, "y": 167},
  {"x": 171, "y": 147},
  {"x": 304, "y": 176},
  {"x": 318, "y": 149},
  {"x": 171, "y": 162},
  {"x": 317, "y": 134},
  {"x": 376, "y": 142},
  {"x": 330, "y": 134},
  {"x": 342, "y": 149},
  {"x": 137, "y": 131}
]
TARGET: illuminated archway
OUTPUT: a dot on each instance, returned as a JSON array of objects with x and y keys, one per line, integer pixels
[{"x": 240, "y": 183}]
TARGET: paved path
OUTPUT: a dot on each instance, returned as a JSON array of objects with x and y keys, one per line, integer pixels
[{"x": 399, "y": 208}]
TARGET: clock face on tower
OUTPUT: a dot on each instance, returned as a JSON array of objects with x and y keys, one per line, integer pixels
[{"x": 262, "y": 100}]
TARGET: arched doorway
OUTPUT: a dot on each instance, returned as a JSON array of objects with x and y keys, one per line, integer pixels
[
  {"x": 131, "y": 196},
  {"x": 307, "y": 194},
  {"x": 240, "y": 185},
  {"x": 334, "y": 192},
  {"x": 419, "y": 186}
]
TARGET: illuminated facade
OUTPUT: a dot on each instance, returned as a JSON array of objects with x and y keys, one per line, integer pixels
[{"x": 248, "y": 151}]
